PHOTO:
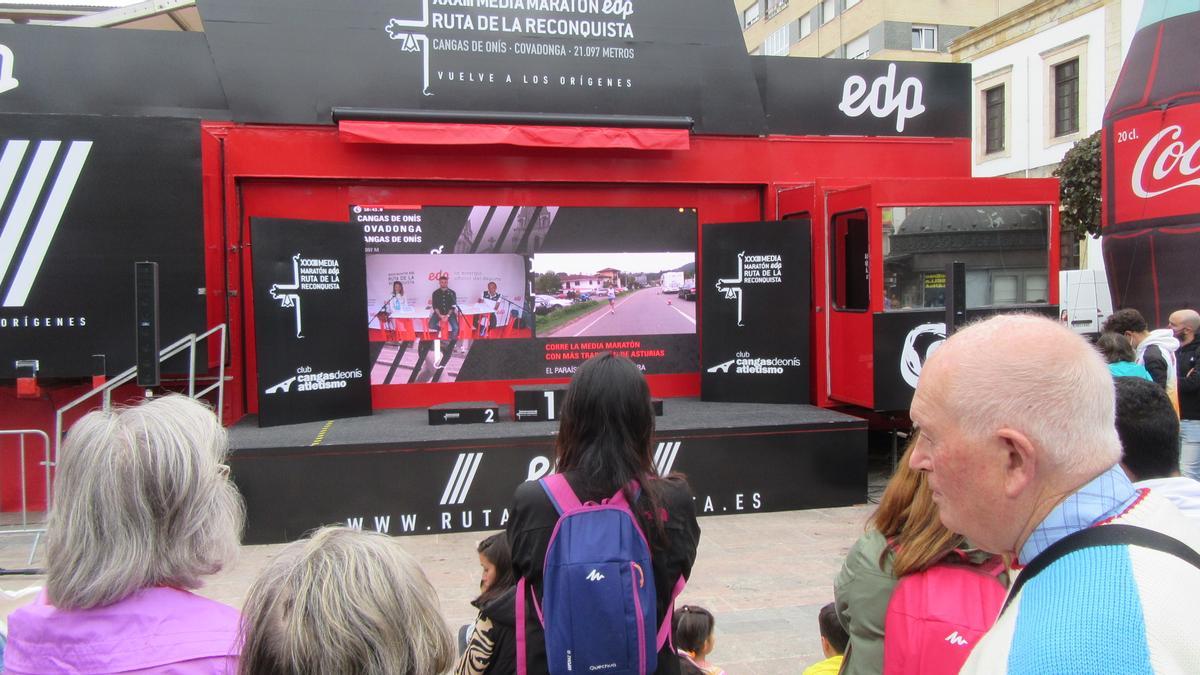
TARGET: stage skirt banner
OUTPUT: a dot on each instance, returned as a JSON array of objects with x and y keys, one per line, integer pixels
[
  {"x": 755, "y": 288},
  {"x": 310, "y": 333},
  {"x": 446, "y": 486}
]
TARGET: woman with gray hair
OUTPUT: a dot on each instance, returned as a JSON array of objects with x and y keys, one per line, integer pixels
[
  {"x": 143, "y": 510},
  {"x": 344, "y": 601}
]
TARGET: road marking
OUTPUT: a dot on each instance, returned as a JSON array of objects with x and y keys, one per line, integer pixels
[
  {"x": 321, "y": 434},
  {"x": 603, "y": 313},
  {"x": 683, "y": 314}
]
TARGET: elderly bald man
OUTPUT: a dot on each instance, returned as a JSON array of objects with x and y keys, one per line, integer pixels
[
  {"x": 1018, "y": 440},
  {"x": 1185, "y": 324}
]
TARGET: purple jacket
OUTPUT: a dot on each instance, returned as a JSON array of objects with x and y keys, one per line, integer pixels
[{"x": 156, "y": 630}]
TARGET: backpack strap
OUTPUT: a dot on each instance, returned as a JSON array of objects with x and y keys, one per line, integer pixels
[
  {"x": 1102, "y": 535},
  {"x": 522, "y": 649},
  {"x": 562, "y": 497},
  {"x": 664, "y": 630},
  {"x": 522, "y": 667}
]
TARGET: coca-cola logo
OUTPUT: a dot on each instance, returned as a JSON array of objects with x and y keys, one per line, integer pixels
[
  {"x": 883, "y": 97},
  {"x": 1172, "y": 164}
]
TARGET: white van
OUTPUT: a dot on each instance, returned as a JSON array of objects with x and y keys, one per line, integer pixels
[{"x": 1083, "y": 299}]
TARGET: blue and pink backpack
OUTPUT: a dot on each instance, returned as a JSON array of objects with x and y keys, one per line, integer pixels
[{"x": 598, "y": 598}]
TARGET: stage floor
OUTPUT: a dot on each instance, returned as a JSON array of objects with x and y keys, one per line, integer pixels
[{"x": 412, "y": 425}]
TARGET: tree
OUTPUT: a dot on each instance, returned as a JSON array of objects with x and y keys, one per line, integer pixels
[
  {"x": 547, "y": 284},
  {"x": 1079, "y": 187}
]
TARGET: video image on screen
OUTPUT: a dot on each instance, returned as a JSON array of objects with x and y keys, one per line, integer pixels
[
  {"x": 460, "y": 293},
  {"x": 588, "y": 295}
]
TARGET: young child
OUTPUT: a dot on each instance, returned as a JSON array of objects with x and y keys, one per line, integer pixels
[
  {"x": 833, "y": 642},
  {"x": 491, "y": 647},
  {"x": 693, "y": 631}
]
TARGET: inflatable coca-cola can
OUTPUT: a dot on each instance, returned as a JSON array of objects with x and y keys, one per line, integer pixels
[{"x": 1151, "y": 171}]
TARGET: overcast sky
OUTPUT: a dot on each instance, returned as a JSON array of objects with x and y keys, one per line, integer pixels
[{"x": 590, "y": 263}]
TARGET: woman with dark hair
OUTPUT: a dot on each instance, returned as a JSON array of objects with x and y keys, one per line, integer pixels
[
  {"x": 604, "y": 444},
  {"x": 491, "y": 647},
  {"x": 1117, "y": 351}
]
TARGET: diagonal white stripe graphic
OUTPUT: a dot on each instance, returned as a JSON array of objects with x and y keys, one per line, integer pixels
[
  {"x": 458, "y": 465},
  {"x": 473, "y": 464},
  {"x": 462, "y": 477},
  {"x": 670, "y": 464},
  {"x": 31, "y": 187},
  {"x": 10, "y": 162},
  {"x": 658, "y": 457},
  {"x": 47, "y": 224},
  {"x": 658, "y": 453}
]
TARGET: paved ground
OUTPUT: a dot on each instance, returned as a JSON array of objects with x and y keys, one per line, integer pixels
[
  {"x": 643, "y": 312},
  {"x": 765, "y": 576}
]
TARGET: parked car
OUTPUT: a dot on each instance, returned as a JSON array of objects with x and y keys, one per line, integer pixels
[
  {"x": 544, "y": 304},
  {"x": 688, "y": 292}
]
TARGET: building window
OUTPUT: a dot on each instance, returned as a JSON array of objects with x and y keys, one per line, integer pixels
[
  {"x": 993, "y": 120},
  {"x": 1004, "y": 289},
  {"x": 751, "y": 14},
  {"x": 805, "y": 25},
  {"x": 924, "y": 38},
  {"x": 859, "y": 47},
  {"x": 1066, "y": 98},
  {"x": 850, "y": 3},
  {"x": 828, "y": 11},
  {"x": 1037, "y": 288},
  {"x": 991, "y": 128},
  {"x": 777, "y": 43},
  {"x": 775, "y": 6}
]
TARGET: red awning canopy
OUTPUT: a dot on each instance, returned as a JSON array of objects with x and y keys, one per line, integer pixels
[{"x": 438, "y": 133}]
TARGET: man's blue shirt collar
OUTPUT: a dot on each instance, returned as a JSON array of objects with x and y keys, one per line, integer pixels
[{"x": 1107, "y": 495}]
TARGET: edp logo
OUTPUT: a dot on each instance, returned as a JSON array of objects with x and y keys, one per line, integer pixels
[{"x": 883, "y": 97}]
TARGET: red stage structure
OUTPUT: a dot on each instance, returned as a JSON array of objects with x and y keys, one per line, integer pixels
[{"x": 876, "y": 155}]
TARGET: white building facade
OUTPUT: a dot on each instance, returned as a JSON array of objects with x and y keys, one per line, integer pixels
[{"x": 1041, "y": 77}]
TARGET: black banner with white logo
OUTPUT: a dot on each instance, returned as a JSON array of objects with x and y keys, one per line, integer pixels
[
  {"x": 826, "y": 97},
  {"x": 108, "y": 71},
  {"x": 445, "y": 487},
  {"x": 81, "y": 200},
  {"x": 283, "y": 61},
  {"x": 905, "y": 339},
  {"x": 311, "y": 337},
  {"x": 756, "y": 298}
]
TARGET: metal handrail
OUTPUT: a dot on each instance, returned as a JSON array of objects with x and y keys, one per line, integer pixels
[
  {"x": 25, "y": 529},
  {"x": 188, "y": 343}
]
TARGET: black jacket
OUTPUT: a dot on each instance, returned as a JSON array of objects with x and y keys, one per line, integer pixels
[
  {"x": 1156, "y": 365},
  {"x": 1187, "y": 366},
  {"x": 533, "y": 520},
  {"x": 443, "y": 300},
  {"x": 492, "y": 649}
]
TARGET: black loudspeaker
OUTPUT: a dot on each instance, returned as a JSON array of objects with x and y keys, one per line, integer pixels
[
  {"x": 956, "y": 296},
  {"x": 145, "y": 290}
]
